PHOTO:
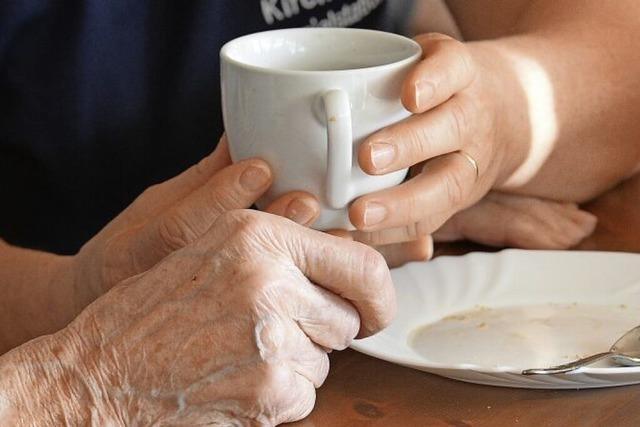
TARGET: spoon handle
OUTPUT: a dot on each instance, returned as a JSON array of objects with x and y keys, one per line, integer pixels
[{"x": 568, "y": 367}]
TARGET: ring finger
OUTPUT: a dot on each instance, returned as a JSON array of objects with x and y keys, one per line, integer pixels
[{"x": 446, "y": 185}]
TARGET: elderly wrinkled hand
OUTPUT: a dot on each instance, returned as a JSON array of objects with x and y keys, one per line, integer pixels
[
  {"x": 234, "y": 327},
  {"x": 170, "y": 215},
  {"x": 164, "y": 218}
]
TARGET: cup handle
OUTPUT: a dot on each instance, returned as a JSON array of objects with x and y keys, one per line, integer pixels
[{"x": 339, "y": 148}]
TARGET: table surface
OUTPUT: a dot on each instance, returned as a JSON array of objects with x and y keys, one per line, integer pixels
[{"x": 363, "y": 391}]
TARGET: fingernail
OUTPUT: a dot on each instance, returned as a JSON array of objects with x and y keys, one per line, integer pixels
[
  {"x": 424, "y": 92},
  {"x": 382, "y": 154},
  {"x": 589, "y": 221},
  {"x": 430, "y": 249},
  {"x": 254, "y": 177},
  {"x": 299, "y": 211},
  {"x": 374, "y": 213}
]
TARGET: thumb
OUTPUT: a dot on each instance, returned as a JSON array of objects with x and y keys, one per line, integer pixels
[
  {"x": 159, "y": 197},
  {"x": 235, "y": 187}
]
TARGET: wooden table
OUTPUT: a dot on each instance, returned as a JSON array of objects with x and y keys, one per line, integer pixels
[{"x": 363, "y": 391}]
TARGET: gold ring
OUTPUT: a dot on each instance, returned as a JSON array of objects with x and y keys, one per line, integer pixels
[{"x": 471, "y": 161}]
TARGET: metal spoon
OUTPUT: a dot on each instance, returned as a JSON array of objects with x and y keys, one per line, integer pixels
[{"x": 625, "y": 352}]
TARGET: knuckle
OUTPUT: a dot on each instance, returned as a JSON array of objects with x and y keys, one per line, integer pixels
[
  {"x": 232, "y": 218},
  {"x": 384, "y": 301},
  {"x": 374, "y": 263},
  {"x": 413, "y": 231},
  {"x": 150, "y": 191},
  {"x": 148, "y": 196},
  {"x": 464, "y": 58},
  {"x": 521, "y": 229},
  {"x": 451, "y": 48},
  {"x": 461, "y": 116},
  {"x": 323, "y": 368},
  {"x": 255, "y": 285},
  {"x": 433, "y": 38},
  {"x": 307, "y": 404},
  {"x": 175, "y": 231},
  {"x": 274, "y": 378},
  {"x": 242, "y": 221},
  {"x": 419, "y": 142},
  {"x": 122, "y": 260},
  {"x": 259, "y": 286},
  {"x": 455, "y": 188},
  {"x": 202, "y": 168},
  {"x": 297, "y": 402},
  {"x": 351, "y": 322},
  {"x": 224, "y": 196},
  {"x": 371, "y": 237},
  {"x": 270, "y": 337},
  {"x": 426, "y": 226},
  {"x": 524, "y": 225}
]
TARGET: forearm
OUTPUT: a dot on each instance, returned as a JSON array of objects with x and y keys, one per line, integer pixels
[
  {"x": 38, "y": 294},
  {"x": 44, "y": 383},
  {"x": 571, "y": 75},
  {"x": 36, "y": 388}
]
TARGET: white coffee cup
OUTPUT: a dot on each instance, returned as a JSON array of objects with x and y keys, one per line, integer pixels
[{"x": 303, "y": 100}]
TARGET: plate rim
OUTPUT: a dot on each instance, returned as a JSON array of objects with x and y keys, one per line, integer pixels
[{"x": 360, "y": 347}]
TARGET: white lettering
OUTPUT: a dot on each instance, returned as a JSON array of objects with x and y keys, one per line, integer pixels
[
  {"x": 278, "y": 10},
  {"x": 270, "y": 11},
  {"x": 295, "y": 8},
  {"x": 347, "y": 15},
  {"x": 308, "y": 4}
]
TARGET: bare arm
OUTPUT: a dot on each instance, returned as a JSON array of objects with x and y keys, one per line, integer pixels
[
  {"x": 37, "y": 294},
  {"x": 548, "y": 107},
  {"x": 572, "y": 77},
  {"x": 41, "y": 383}
]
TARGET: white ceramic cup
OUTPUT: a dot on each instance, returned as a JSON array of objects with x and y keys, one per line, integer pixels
[{"x": 303, "y": 100}]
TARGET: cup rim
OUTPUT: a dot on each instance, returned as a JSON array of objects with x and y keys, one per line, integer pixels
[{"x": 226, "y": 57}]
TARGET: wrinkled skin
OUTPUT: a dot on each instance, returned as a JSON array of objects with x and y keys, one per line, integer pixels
[
  {"x": 164, "y": 218},
  {"x": 169, "y": 216},
  {"x": 233, "y": 329}
]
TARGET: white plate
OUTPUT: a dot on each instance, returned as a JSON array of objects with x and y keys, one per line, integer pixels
[{"x": 529, "y": 309}]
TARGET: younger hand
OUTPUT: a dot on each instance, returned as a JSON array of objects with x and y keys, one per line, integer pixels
[
  {"x": 452, "y": 141},
  {"x": 506, "y": 220},
  {"x": 500, "y": 220}
]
